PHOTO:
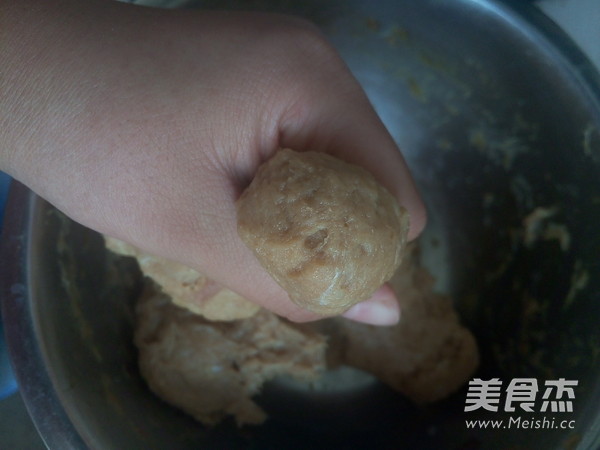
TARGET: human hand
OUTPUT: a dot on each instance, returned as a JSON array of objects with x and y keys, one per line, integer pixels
[{"x": 147, "y": 125}]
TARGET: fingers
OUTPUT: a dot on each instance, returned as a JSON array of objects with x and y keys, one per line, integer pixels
[{"x": 381, "y": 309}]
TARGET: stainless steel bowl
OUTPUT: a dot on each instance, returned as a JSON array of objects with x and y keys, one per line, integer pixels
[{"x": 498, "y": 114}]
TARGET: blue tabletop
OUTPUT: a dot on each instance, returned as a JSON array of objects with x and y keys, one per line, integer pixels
[{"x": 8, "y": 384}]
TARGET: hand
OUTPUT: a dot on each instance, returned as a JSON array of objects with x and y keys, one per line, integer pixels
[{"x": 147, "y": 125}]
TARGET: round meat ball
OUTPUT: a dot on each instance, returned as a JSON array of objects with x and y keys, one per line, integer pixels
[{"x": 324, "y": 229}]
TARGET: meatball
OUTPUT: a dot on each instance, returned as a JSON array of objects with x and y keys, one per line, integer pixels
[{"x": 324, "y": 229}]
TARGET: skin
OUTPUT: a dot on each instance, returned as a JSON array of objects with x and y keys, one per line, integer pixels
[{"x": 147, "y": 125}]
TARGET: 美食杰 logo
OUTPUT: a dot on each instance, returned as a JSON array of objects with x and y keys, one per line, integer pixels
[{"x": 522, "y": 395}]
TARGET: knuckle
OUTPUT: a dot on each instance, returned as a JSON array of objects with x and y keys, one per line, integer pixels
[
  {"x": 308, "y": 40},
  {"x": 297, "y": 47}
]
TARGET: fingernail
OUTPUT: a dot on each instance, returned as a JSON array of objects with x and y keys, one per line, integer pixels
[{"x": 375, "y": 312}]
